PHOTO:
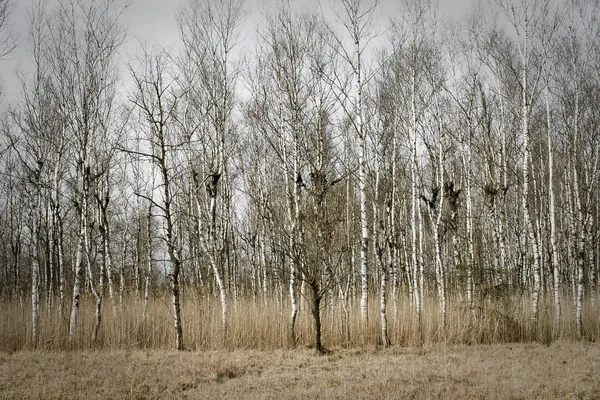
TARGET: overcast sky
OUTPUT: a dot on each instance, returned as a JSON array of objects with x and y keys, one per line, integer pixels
[{"x": 154, "y": 20}]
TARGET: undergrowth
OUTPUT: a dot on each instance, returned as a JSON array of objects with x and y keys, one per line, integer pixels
[{"x": 263, "y": 323}]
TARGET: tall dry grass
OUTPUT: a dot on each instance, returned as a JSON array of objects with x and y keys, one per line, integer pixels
[{"x": 263, "y": 324}]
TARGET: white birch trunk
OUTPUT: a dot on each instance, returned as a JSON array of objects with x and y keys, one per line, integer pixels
[
  {"x": 57, "y": 223},
  {"x": 439, "y": 258},
  {"x": 417, "y": 283},
  {"x": 208, "y": 242},
  {"x": 580, "y": 249},
  {"x": 592, "y": 266},
  {"x": 379, "y": 247},
  {"x": 110, "y": 273},
  {"x": 392, "y": 236},
  {"x": 502, "y": 209},
  {"x": 122, "y": 268},
  {"x": 263, "y": 263},
  {"x": 470, "y": 246},
  {"x": 293, "y": 210},
  {"x": 528, "y": 220},
  {"x": 102, "y": 205},
  {"x": 98, "y": 294},
  {"x": 61, "y": 268},
  {"x": 216, "y": 269},
  {"x": 421, "y": 263},
  {"x": 385, "y": 340},
  {"x": 138, "y": 259},
  {"x": 362, "y": 176},
  {"x": 149, "y": 258},
  {"x": 295, "y": 238},
  {"x": 35, "y": 271},
  {"x": 552, "y": 217},
  {"x": 525, "y": 193},
  {"x": 79, "y": 266}
]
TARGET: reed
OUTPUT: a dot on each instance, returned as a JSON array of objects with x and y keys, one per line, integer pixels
[{"x": 263, "y": 324}]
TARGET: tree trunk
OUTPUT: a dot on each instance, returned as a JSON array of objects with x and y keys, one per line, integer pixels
[
  {"x": 149, "y": 259},
  {"x": 138, "y": 259},
  {"x": 362, "y": 177},
  {"x": 294, "y": 303},
  {"x": 414, "y": 224},
  {"x": 316, "y": 312},
  {"x": 439, "y": 267},
  {"x": 437, "y": 228},
  {"x": 385, "y": 340},
  {"x": 171, "y": 240},
  {"x": 61, "y": 267},
  {"x": 580, "y": 253},
  {"x": 533, "y": 242},
  {"x": 108, "y": 263},
  {"x": 552, "y": 216},
  {"x": 470, "y": 246},
  {"x": 35, "y": 272},
  {"x": 98, "y": 293},
  {"x": 79, "y": 271}
]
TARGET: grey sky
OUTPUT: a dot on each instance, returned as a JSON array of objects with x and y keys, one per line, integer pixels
[{"x": 154, "y": 20}]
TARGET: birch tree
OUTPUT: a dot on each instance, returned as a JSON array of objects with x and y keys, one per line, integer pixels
[
  {"x": 579, "y": 42},
  {"x": 78, "y": 50},
  {"x": 154, "y": 99},
  {"x": 284, "y": 59},
  {"x": 357, "y": 19},
  {"x": 524, "y": 20},
  {"x": 32, "y": 154},
  {"x": 35, "y": 120},
  {"x": 410, "y": 62},
  {"x": 210, "y": 32}
]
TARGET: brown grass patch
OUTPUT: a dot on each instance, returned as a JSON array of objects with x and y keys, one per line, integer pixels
[{"x": 517, "y": 371}]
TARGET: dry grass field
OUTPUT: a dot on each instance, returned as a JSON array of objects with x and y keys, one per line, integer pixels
[
  {"x": 492, "y": 353},
  {"x": 563, "y": 370}
]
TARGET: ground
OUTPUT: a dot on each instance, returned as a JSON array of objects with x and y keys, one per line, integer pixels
[{"x": 563, "y": 370}]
